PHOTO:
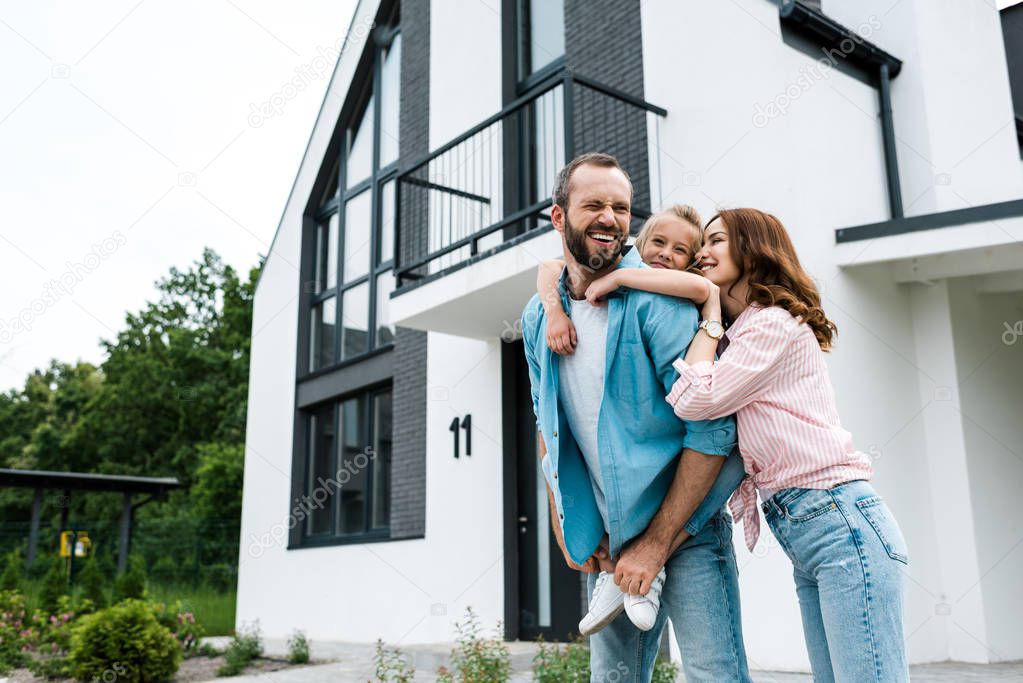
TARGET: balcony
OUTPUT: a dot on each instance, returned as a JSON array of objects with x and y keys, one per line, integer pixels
[{"x": 473, "y": 216}]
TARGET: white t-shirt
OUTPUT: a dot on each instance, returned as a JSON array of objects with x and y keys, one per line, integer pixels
[{"x": 581, "y": 388}]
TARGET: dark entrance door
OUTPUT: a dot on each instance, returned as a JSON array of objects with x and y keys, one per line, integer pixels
[{"x": 543, "y": 597}]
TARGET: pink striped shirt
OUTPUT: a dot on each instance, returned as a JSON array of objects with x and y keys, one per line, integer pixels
[{"x": 773, "y": 377}]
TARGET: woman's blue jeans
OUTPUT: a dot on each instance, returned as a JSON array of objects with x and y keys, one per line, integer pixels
[{"x": 848, "y": 556}]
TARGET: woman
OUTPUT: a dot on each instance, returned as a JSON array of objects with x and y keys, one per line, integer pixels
[{"x": 846, "y": 548}]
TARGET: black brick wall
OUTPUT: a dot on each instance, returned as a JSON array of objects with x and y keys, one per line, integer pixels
[
  {"x": 408, "y": 463},
  {"x": 603, "y": 40}
]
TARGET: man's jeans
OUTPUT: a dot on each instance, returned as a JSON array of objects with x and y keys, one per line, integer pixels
[
  {"x": 848, "y": 556},
  {"x": 701, "y": 596}
]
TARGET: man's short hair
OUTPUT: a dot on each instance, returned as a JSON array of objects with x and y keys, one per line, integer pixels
[{"x": 562, "y": 185}]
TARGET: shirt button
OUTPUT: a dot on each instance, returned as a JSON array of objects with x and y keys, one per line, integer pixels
[
  {"x": 555, "y": 435},
  {"x": 555, "y": 475}
]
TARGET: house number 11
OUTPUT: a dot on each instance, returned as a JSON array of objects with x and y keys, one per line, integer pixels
[{"x": 466, "y": 424}]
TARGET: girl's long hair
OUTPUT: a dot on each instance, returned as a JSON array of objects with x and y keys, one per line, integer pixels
[{"x": 761, "y": 248}]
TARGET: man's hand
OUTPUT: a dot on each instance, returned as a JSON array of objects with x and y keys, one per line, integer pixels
[
  {"x": 638, "y": 564},
  {"x": 561, "y": 337}
]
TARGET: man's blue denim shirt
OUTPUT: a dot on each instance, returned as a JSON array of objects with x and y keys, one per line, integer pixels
[{"x": 639, "y": 435}]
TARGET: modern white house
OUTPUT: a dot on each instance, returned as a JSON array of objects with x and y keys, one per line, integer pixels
[{"x": 391, "y": 475}]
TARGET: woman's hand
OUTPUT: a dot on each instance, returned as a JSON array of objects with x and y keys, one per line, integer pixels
[
  {"x": 601, "y": 287},
  {"x": 561, "y": 337},
  {"x": 711, "y": 308}
]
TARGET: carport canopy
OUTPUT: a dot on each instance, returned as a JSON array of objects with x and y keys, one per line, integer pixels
[{"x": 128, "y": 486}]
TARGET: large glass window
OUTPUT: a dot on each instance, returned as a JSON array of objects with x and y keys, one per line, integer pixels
[
  {"x": 354, "y": 235},
  {"x": 348, "y": 468},
  {"x": 540, "y": 38},
  {"x": 541, "y": 29}
]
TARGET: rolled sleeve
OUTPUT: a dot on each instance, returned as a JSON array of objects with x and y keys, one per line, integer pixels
[
  {"x": 689, "y": 376},
  {"x": 711, "y": 437}
]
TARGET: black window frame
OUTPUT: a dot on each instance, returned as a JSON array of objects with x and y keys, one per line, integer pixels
[
  {"x": 334, "y": 535},
  {"x": 525, "y": 73},
  {"x": 379, "y": 264},
  {"x": 366, "y": 375}
]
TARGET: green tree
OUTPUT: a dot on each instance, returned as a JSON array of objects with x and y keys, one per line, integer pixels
[
  {"x": 169, "y": 399},
  {"x": 176, "y": 376}
]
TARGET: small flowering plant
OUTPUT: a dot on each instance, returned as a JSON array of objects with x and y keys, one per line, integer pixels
[
  {"x": 16, "y": 632},
  {"x": 182, "y": 624}
]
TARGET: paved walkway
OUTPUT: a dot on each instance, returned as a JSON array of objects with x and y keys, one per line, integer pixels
[
  {"x": 948, "y": 672},
  {"x": 353, "y": 663}
]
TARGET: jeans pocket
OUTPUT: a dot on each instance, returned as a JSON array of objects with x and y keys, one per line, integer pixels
[
  {"x": 883, "y": 522},
  {"x": 803, "y": 505}
]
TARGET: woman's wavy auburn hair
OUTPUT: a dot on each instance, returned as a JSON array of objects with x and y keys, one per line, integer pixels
[{"x": 761, "y": 248}]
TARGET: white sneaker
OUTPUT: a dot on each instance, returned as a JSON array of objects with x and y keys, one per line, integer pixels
[
  {"x": 606, "y": 603},
  {"x": 643, "y": 609}
]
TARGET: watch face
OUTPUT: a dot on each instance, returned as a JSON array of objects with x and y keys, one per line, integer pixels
[{"x": 715, "y": 329}]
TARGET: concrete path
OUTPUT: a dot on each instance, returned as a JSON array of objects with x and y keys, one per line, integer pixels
[
  {"x": 949, "y": 672},
  {"x": 353, "y": 663}
]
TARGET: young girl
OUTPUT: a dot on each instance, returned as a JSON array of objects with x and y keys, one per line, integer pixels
[
  {"x": 668, "y": 241},
  {"x": 846, "y": 548}
]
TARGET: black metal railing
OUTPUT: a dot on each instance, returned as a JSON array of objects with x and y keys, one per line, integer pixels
[{"x": 492, "y": 184}]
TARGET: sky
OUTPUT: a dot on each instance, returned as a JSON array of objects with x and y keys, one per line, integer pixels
[{"x": 134, "y": 134}]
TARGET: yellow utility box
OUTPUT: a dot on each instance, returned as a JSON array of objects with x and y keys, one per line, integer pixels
[{"x": 82, "y": 543}]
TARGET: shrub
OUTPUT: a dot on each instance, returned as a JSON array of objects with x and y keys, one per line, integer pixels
[
  {"x": 298, "y": 648},
  {"x": 571, "y": 663},
  {"x": 245, "y": 646},
  {"x": 131, "y": 585},
  {"x": 476, "y": 659},
  {"x": 391, "y": 666},
  {"x": 54, "y": 587},
  {"x": 126, "y": 640},
  {"x": 92, "y": 583},
  {"x": 165, "y": 571},
  {"x": 13, "y": 627},
  {"x": 182, "y": 625},
  {"x": 11, "y": 577},
  {"x": 567, "y": 664},
  {"x": 221, "y": 576},
  {"x": 664, "y": 671}
]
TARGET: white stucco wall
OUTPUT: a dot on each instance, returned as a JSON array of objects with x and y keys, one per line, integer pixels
[
  {"x": 817, "y": 167},
  {"x": 989, "y": 365},
  {"x": 952, "y": 105}
]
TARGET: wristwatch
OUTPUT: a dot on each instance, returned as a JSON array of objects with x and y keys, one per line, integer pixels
[{"x": 713, "y": 328}]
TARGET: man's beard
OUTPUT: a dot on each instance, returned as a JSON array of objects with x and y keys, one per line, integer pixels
[{"x": 601, "y": 257}]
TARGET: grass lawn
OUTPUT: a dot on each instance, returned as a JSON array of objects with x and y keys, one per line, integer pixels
[{"x": 213, "y": 609}]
